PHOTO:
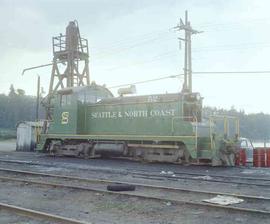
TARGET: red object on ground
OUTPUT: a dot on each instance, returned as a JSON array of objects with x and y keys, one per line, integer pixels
[
  {"x": 259, "y": 157},
  {"x": 268, "y": 157},
  {"x": 237, "y": 159},
  {"x": 241, "y": 158}
]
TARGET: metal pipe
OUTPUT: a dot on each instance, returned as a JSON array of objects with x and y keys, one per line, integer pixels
[
  {"x": 40, "y": 66},
  {"x": 37, "y": 102},
  {"x": 186, "y": 51}
]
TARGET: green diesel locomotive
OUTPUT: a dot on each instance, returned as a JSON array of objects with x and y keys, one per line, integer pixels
[{"x": 88, "y": 121}]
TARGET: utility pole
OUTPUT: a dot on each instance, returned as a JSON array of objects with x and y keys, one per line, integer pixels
[{"x": 187, "y": 87}]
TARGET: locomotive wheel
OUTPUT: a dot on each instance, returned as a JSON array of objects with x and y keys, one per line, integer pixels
[
  {"x": 120, "y": 187},
  {"x": 187, "y": 157},
  {"x": 84, "y": 150}
]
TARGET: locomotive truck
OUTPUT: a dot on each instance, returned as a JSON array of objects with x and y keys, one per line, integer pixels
[{"x": 88, "y": 121}]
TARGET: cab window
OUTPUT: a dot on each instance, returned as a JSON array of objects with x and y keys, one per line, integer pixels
[
  {"x": 86, "y": 97},
  {"x": 65, "y": 100},
  {"x": 192, "y": 110},
  {"x": 90, "y": 97}
]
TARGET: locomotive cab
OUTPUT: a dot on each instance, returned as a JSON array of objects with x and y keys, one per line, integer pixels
[
  {"x": 69, "y": 108},
  {"x": 192, "y": 107}
]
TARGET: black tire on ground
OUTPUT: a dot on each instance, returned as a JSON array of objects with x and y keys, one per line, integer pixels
[{"x": 120, "y": 187}]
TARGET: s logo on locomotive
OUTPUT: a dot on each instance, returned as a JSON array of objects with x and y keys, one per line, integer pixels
[{"x": 65, "y": 116}]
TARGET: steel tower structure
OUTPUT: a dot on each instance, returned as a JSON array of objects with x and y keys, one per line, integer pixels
[{"x": 70, "y": 65}]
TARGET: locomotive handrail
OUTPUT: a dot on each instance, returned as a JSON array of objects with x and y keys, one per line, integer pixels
[
  {"x": 194, "y": 119},
  {"x": 225, "y": 119},
  {"x": 225, "y": 125}
]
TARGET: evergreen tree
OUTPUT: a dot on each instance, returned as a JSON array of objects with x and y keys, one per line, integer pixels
[{"x": 12, "y": 91}]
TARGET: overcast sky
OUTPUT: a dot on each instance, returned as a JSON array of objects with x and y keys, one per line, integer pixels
[{"x": 133, "y": 41}]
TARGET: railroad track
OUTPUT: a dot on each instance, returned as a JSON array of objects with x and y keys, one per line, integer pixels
[
  {"x": 260, "y": 182},
  {"x": 252, "y": 204},
  {"x": 175, "y": 176},
  {"x": 39, "y": 215}
]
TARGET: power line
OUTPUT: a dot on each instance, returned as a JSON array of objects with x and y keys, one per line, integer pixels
[
  {"x": 163, "y": 31},
  {"x": 232, "y": 23},
  {"x": 154, "y": 59},
  {"x": 129, "y": 41},
  {"x": 143, "y": 37},
  {"x": 179, "y": 75},
  {"x": 113, "y": 51},
  {"x": 226, "y": 47},
  {"x": 146, "y": 81},
  {"x": 234, "y": 72},
  {"x": 231, "y": 47},
  {"x": 131, "y": 38},
  {"x": 107, "y": 52},
  {"x": 218, "y": 48}
]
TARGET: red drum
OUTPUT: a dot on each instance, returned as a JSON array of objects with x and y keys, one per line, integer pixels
[
  {"x": 259, "y": 157},
  {"x": 268, "y": 157}
]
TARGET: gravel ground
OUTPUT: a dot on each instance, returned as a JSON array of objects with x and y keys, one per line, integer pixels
[
  {"x": 144, "y": 191},
  {"x": 99, "y": 208},
  {"x": 113, "y": 169},
  {"x": 8, "y": 145},
  {"x": 124, "y": 165}
]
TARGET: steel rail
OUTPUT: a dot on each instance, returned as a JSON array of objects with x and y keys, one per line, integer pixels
[
  {"x": 223, "y": 176},
  {"x": 239, "y": 209},
  {"x": 207, "y": 174},
  {"x": 167, "y": 176},
  {"x": 176, "y": 177},
  {"x": 105, "y": 181},
  {"x": 38, "y": 214},
  {"x": 138, "y": 170},
  {"x": 147, "y": 197}
]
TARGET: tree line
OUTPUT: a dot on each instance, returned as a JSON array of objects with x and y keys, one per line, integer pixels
[
  {"x": 255, "y": 126},
  {"x": 16, "y": 107}
]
